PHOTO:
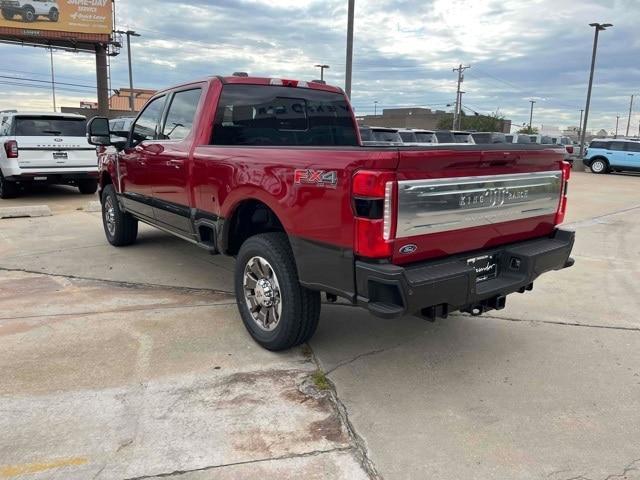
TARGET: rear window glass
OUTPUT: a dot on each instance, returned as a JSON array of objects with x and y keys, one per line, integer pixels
[
  {"x": 424, "y": 137},
  {"x": 50, "y": 127},
  {"x": 282, "y": 116},
  {"x": 408, "y": 137},
  {"x": 482, "y": 137},
  {"x": 386, "y": 136},
  {"x": 599, "y": 144},
  {"x": 462, "y": 137},
  {"x": 366, "y": 134},
  {"x": 445, "y": 137}
]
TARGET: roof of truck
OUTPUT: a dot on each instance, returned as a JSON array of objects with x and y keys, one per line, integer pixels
[
  {"x": 285, "y": 82},
  {"x": 43, "y": 114}
]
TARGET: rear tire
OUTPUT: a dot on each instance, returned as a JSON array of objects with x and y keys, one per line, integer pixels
[
  {"x": 88, "y": 186},
  {"x": 29, "y": 15},
  {"x": 121, "y": 228},
  {"x": 8, "y": 189},
  {"x": 268, "y": 258},
  {"x": 599, "y": 165},
  {"x": 7, "y": 15}
]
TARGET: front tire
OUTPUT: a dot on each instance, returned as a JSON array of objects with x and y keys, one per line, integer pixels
[
  {"x": 8, "y": 189},
  {"x": 599, "y": 165},
  {"x": 54, "y": 15},
  {"x": 88, "y": 186},
  {"x": 278, "y": 312},
  {"x": 120, "y": 227}
]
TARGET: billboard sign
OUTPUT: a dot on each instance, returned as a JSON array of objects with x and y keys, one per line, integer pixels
[{"x": 38, "y": 17}]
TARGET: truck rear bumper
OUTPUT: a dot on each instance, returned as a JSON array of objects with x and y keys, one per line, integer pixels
[{"x": 439, "y": 287}]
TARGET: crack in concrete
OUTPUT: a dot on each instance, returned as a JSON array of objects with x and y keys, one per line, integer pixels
[
  {"x": 595, "y": 220},
  {"x": 361, "y": 451},
  {"x": 120, "y": 282},
  {"x": 629, "y": 468},
  {"x": 565, "y": 324},
  {"x": 313, "y": 453}
]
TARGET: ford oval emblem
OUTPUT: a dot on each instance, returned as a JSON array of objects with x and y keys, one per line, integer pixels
[{"x": 407, "y": 249}]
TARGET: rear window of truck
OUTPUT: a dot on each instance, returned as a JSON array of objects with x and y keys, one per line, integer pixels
[
  {"x": 282, "y": 116},
  {"x": 50, "y": 127}
]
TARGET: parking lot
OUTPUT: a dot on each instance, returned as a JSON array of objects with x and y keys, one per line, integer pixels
[{"x": 133, "y": 363}]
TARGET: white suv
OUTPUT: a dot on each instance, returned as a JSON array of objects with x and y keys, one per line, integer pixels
[
  {"x": 45, "y": 148},
  {"x": 30, "y": 10}
]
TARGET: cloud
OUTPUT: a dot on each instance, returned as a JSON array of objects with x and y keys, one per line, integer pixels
[{"x": 405, "y": 51}]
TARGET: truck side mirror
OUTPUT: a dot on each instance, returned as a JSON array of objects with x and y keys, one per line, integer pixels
[{"x": 98, "y": 132}]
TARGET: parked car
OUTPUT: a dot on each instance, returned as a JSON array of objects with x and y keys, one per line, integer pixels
[
  {"x": 488, "y": 137},
  {"x": 45, "y": 148},
  {"x": 606, "y": 155},
  {"x": 416, "y": 137},
  {"x": 379, "y": 137},
  {"x": 304, "y": 208},
  {"x": 517, "y": 138},
  {"x": 122, "y": 124},
  {"x": 30, "y": 10},
  {"x": 462, "y": 137}
]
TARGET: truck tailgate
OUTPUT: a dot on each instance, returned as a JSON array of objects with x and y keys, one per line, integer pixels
[{"x": 472, "y": 198}]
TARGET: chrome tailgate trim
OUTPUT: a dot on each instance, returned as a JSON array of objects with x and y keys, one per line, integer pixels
[{"x": 433, "y": 206}]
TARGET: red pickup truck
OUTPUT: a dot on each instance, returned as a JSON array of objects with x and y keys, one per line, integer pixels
[{"x": 273, "y": 172}]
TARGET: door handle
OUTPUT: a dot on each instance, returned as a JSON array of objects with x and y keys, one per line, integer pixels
[{"x": 175, "y": 163}]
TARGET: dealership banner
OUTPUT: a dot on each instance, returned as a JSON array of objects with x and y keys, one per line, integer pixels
[{"x": 71, "y": 16}]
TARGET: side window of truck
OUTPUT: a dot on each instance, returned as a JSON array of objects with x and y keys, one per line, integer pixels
[
  {"x": 282, "y": 116},
  {"x": 182, "y": 112},
  {"x": 146, "y": 127}
]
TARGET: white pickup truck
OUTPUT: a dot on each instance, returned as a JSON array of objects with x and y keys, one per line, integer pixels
[
  {"x": 45, "y": 148},
  {"x": 30, "y": 10}
]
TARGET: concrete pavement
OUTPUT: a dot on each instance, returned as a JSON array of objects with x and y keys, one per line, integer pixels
[{"x": 549, "y": 387}]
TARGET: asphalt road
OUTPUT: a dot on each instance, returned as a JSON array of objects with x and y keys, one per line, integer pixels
[{"x": 156, "y": 375}]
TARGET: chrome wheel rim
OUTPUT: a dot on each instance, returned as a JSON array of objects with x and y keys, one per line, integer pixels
[
  {"x": 262, "y": 293},
  {"x": 110, "y": 216},
  {"x": 598, "y": 166}
]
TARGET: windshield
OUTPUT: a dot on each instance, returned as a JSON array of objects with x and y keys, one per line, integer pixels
[
  {"x": 408, "y": 137},
  {"x": 424, "y": 137},
  {"x": 386, "y": 136},
  {"x": 50, "y": 127},
  {"x": 445, "y": 137}
]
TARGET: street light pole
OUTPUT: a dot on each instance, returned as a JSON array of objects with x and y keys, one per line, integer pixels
[
  {"x": 129, "y": 34},
  {"x": 617, "y": 120},
  {"x": 53, "y": 80},
  {"x": 598, "y": 28},
  {"x": 375, "y": 107},
  {"x": 629, "y": 120},
  {"x": 322, "y": 67},
  {"x": 349, "y": 66},
  {"x": 580, "y": 124},
  {"x": 531, "y": 116}
]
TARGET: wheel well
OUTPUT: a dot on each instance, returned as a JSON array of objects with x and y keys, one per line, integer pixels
[
  {"x": 599, "y": 157},
  {"x": 250, "y": 218},
  {"x": 105, "y": 179}
]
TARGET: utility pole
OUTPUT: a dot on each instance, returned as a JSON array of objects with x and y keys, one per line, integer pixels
[
  {"x": 580, "y": 124},
  {"x": 102, "y": 80},
  {"x": 322, "y": 67},
  {"x": 349, "y": 66},
  {"x": 456, "y": 115},
  {"x": 532, "y": 102},
  {"x": 598, "y": 28},
  {"x": 629, "y": 120},
  {"x": 129, "y": 34},
  {"x": 617, "y": 120},
  {"x": 375, "y": 107},
  {"x": 53, "y": 80}
]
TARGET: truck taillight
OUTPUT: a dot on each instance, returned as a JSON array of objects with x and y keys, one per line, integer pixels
[
  {"x": 562, "y": 205},
  {"x": 11, "y": 148},
  {"x": 570, "y": 149},
  {"x": 374, "y": 195}
]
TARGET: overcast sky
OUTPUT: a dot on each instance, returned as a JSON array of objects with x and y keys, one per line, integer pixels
[{"x": 404, "y": 53}]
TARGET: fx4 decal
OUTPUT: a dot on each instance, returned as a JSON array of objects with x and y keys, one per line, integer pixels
[{"x": 321, "y": 178}]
